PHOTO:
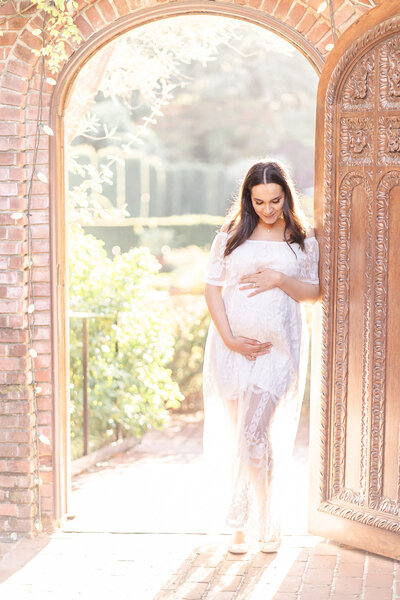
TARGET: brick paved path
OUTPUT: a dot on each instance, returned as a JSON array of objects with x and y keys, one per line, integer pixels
[{"x": 124, "y": 544}]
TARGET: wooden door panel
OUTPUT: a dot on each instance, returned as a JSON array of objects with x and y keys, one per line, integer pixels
[
  {"x": 351, "y": 337},
  {"x": 355, "y": 385},
  {"x": 357, "y": 300},
  {"x": 391, "y": 480}
]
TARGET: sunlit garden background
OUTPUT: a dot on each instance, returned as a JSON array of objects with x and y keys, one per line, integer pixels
[{"x": 162, "y": 126}]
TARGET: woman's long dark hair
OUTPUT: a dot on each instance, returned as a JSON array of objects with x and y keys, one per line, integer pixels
[{"x": 242, "y": 218}]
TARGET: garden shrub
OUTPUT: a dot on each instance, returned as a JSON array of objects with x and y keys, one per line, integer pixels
[
  {"x": 191, "y": 325},
  {"x": 129, "y": 352}
]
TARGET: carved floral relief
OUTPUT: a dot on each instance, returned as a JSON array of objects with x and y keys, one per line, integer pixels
[
  {"x": 389, "y": 140},
  {"x": 358, "y": 90},
  {"x": 356, "y": 146},
  {"x": 389, "y": 76}
]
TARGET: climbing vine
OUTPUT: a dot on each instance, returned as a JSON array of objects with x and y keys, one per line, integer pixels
[
  {"x": 57, "y": 16},
  {"x": 59, "y": 28},
  {"x": 54, "y": 26}
]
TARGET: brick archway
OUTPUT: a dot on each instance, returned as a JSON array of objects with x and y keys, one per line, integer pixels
[{"x": 99, "y": 22}]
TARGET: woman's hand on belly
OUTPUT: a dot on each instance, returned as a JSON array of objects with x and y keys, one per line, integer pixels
[
  {"x": 260, "y": 281},
  {"x": 250, "y": 348}
]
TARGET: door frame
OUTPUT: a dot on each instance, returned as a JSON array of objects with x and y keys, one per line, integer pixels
[{"x": 59, "y": 210}]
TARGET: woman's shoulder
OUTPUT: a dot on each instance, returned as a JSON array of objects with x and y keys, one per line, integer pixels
[
  {"x": 225, "y": 227},
  {"x": 220, "y": 239},
  {"x": 310, "y": 233},
  {"x": 310, "y": 241},
  {"x": 224, "y": 232}
]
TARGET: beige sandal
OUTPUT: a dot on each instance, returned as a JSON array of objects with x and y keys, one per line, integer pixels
[
  {"x": 270, "y": 546},
  {"x": 241, "y": 548}
]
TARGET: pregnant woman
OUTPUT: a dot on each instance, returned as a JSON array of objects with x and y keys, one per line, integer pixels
[{"x": 263, "y": 265}]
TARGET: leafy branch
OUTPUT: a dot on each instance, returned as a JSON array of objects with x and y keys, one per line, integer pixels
[
  {"x": 60, "y": 27},
  {"x": 142, "y": 71}
]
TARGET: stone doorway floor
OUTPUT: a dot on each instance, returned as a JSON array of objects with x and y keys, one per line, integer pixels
[{"x": 143, "y": 530}]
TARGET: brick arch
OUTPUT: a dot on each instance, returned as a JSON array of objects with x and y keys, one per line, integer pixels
[{"x": 99, "y": 22}]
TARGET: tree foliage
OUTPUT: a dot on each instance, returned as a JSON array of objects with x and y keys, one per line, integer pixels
[
  {"x": 248, "y": 96},
  {"x": 191, "y": 326}
]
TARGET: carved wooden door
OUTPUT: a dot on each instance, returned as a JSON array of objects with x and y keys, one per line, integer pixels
[{"x": 355, "y": 389}]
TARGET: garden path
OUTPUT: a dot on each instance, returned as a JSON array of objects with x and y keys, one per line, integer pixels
[{"x": 145, "y": 530}]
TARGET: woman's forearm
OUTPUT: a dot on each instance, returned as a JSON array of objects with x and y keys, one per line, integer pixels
[
  {"x": 299, "y": 290},
  {"x": 216, "y": 306}
]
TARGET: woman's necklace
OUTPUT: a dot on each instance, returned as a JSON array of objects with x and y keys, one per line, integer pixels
[{"x": 269, "y": 229}]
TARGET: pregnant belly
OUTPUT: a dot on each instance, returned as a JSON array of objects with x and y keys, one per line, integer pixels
[{"x": 263, "y": 317}]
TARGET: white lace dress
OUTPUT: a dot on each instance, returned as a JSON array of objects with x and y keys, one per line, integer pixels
[{"x": 252, "y": 408}]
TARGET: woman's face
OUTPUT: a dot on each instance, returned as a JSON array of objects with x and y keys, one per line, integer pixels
[{"x": 267, "y": 200}]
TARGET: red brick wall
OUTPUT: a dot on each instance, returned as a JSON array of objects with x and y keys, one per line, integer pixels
[{"x": 19, "y": 96}]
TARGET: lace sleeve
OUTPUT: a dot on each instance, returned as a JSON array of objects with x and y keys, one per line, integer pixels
[
  {"x": 215, "y": 270},
  {"x": 309, "y": 261}
]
